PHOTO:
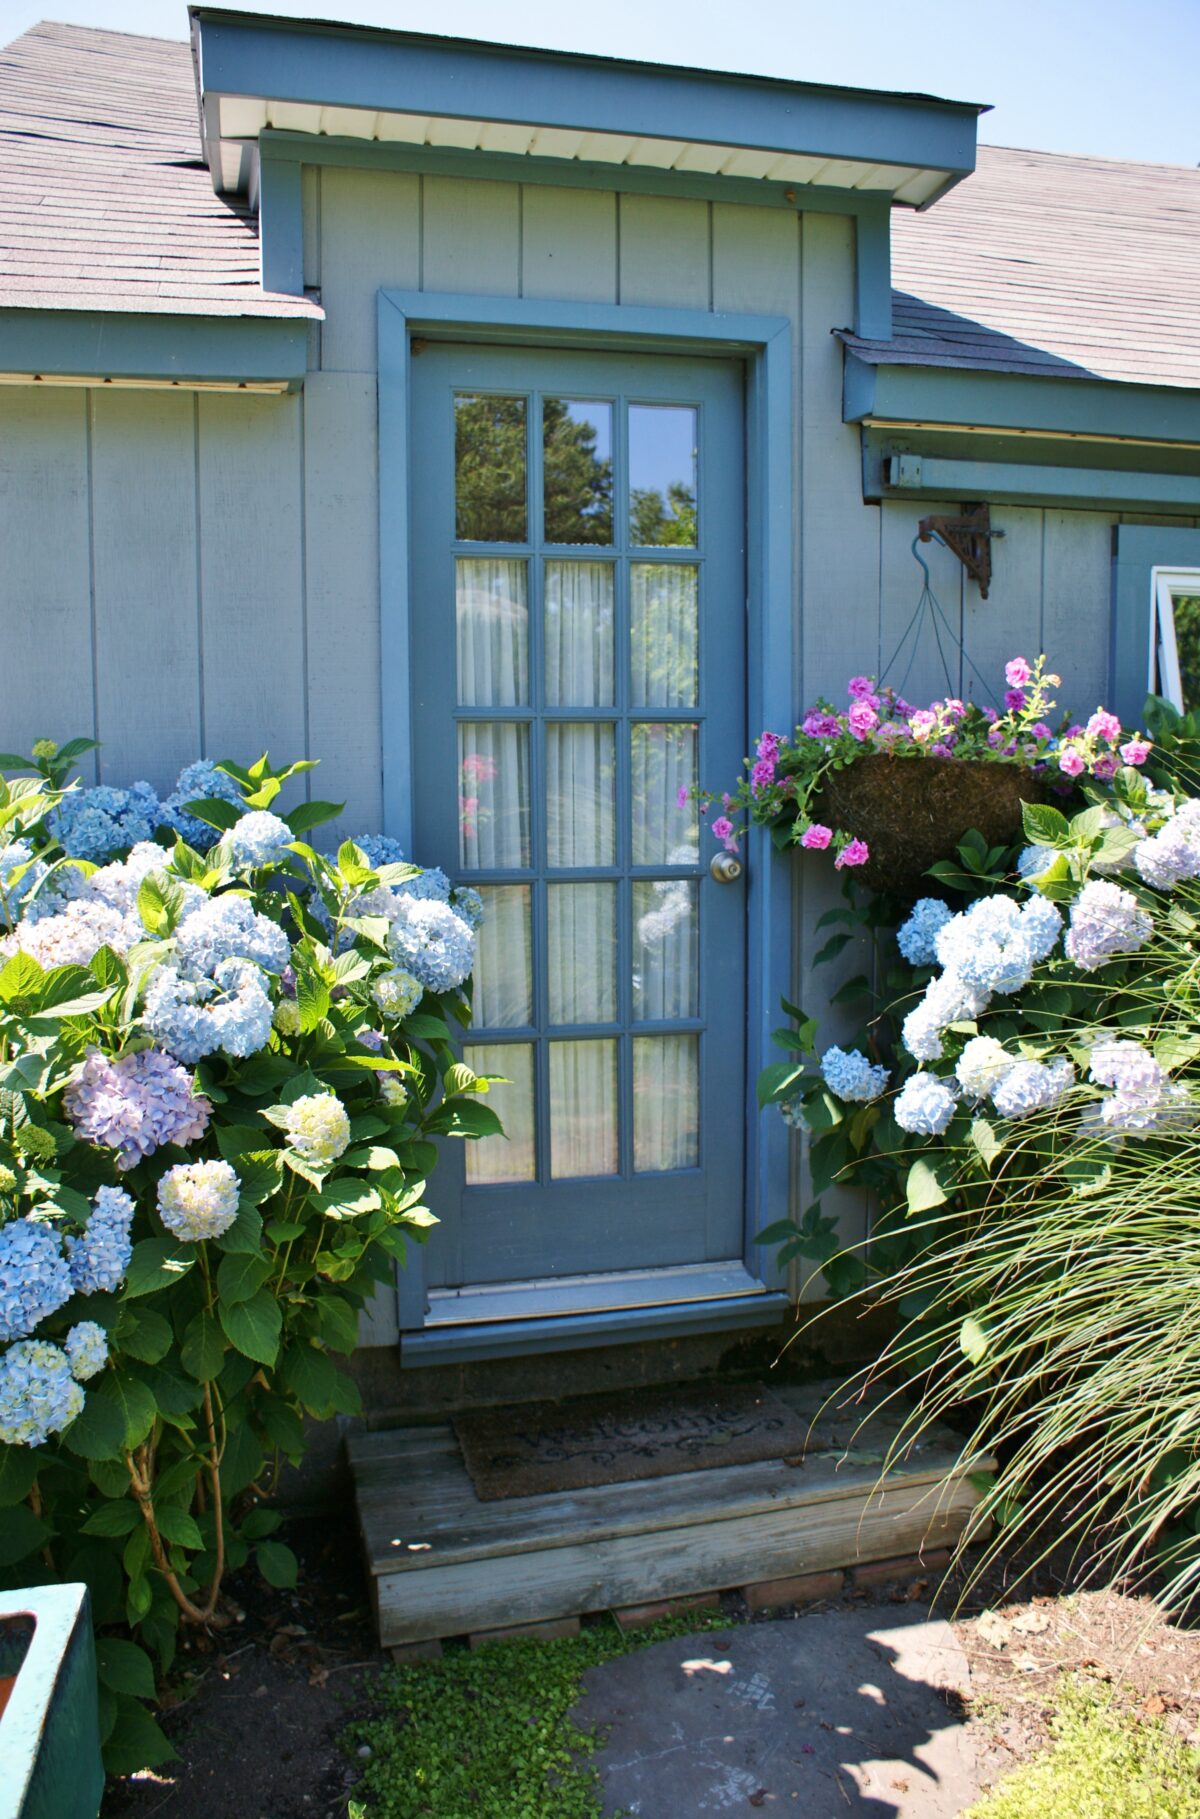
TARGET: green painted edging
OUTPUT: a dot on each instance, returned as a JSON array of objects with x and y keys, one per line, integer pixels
[
  {"x": 928, "y": 396},
  {"x": 766, "y": 343},
  {"x": 50, "y": 1731},
  {"x": 232, "y": 349},
  {"x": 1139, "y": 549}
]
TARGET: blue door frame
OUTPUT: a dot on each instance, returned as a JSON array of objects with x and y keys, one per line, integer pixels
[{"x": 764, "y": 343}]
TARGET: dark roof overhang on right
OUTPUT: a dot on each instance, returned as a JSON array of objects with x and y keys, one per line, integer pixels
[{"x": 1018, "y": 437}]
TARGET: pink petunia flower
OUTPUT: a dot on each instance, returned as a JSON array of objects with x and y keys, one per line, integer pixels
[
  {"x": 1071, "y": 763},
  {"x": 995, "y": 737},
  {"x": 818, "y": 725},
  {"x": 855, "y": 852},
  {"x": 816, "y": 837},
  {"x": 1136, "y": 752},
  {"x": 1041, "y": 731},
  {"x": 863, "y": 719},
  {"x": 1104, "y": 725},
  {"x": 922, "y": 723},
  {"x": 722, "y": 827},
  {"x": 763, "y": 774},
  {"x": 681, "y": 796},
  {"x": 1017, "y": 672},
  {"x": 1105, "y": 767},
  {"x": 768, "y": 745},
  {"x": 1014, "y": 699},
  {"x": 990, "y": 715},
  {"x": 941, "y": 750},
  {"x": 860, "y": 688},
  {"x": 1074, "y": 732}
]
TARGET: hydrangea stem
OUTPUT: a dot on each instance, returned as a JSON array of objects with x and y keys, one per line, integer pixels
[{"x": 141, "y": 1477}]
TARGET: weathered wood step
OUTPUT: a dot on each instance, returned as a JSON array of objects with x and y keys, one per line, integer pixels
[{"x": 444, "y": 1563}]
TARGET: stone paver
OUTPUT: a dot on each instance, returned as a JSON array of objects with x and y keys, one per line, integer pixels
[{"x": 832, "y": 1715}]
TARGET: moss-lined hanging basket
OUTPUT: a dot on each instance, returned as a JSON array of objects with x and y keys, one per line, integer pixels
[{"x": 914, "y": 811}]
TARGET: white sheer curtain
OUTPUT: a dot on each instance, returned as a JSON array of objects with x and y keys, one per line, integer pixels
[
  {"x": 511, "y": 1157},
  {"x": 583, "y": 1109},
  {"x": 580, "y": 794},
  {"x": 582, "y": 952},
  {"x": 503, "y": 960},
  {"x": 666, "y": 1103},
  {"x": 579, "y": 634},
  {"x": 493, "y": 795},
  {"x": 492, "y": 622},
  {"x": 665, "y": 831},
  {"x": 664, "y": 652},
  {"x": 666, "y": 952}
]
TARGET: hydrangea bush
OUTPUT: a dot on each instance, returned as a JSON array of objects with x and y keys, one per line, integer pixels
[
  {"x": 224, "y": 1059},
  {"x": 785, "y": 775},
  {"x": 1035, "y": 1148}
]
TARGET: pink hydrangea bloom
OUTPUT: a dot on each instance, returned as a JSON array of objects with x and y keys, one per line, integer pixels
[
  {"x": 863, "y": 719},
  {"x": 860, "y": 688},
  {"x": 816, "y": 837},
  {"x": 855, "y": 852},
  {"x": 1104, "y": 725},
  {"x": 1136, "y": 752},
  {"x": 1017, "y": 672},
  {"x": 1070, "y": 762},
  {"x": 1014, "y": 699}
]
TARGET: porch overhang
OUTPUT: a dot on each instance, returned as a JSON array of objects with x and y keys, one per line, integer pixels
[
  {"x": 409, "y": 88},
  {"x": 931, "y": 432},
  {"x": 134, "y": 348}
]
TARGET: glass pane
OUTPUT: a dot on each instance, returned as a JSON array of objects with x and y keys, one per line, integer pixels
[
  {"x": 492, "y": 619},
  {"x": 577, "y": 449},
  {"x": 664, "y": 634},
  {"x": 666, "y": 1103},
  {"x": 662, "y": 474},
  {"x": 579, "y": 634},
  {"x": 583, "y": 1109},
  {"x": 666, "y": 949},
  {"x": 504, "y": 959},
  {"x": 1187, "y": 644},
  {"x": 511, "y": 1157},
  {"x": 582, "y": 948},
  {"x": 489, "y": 469},
  {"x": 665, "y": 829},
  {"x": 493, "y": 795},
  {"x": 580, "y": 776}
]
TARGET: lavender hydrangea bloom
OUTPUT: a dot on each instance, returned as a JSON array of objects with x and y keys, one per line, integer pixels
[
  {"x": 192, "y": 1018},
  {"x": 98, "y": 1260},
  {"x": 1144, "y": 1099},
  {"x": 924, "y": 1105},
  {"x": 94, "y": 823},
  {"x": 850, "y": 1076},
  {"x": 38, "y": 1395},
  {"x": 916, "y": 936},
  {"x": 1105, "y": 920},
  {"x": 135, "y": 1105},
  {"x": 34, "y": 1279},
  {"x": 86, "y": 1346},
  {"x": 259, "y": 838},
  {"x": 199, "y": 1200},
  {"x": 432, "y": 943},
  {"x": 199, "y": 782},
  {"x": 229, "y": 928},
  {"x": 1173, "y": 853},
  {"x": 1031, "y": 1086}
]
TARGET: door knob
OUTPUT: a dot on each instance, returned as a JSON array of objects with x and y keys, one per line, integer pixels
[{"x": 725, "y": 868}]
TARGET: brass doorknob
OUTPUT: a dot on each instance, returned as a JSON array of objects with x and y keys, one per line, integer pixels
[{"x": 725, "y": 868}]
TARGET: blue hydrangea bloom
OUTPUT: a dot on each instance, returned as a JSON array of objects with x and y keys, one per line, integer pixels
[
  {"x": 429, "y": 886},
  {"x": 86, "y": 1346},
  {"x": 469, "y": 905},
  {"x": 1031, "y": 1086},
  {"x": 432, "y": 943},
  {"x": 229, "y": 928},
  {"x": 917, "y": 935},
  {"x": 988, "y": 946},
  {"x": 95, "y": 823},
  {"x": 98, "y": 1260},
  {"x": 850, "y": 1076},
  {"x": 38, "y": 1395},
  {"x": 1042, "y": 924},
  {"x": 379, "y": 849},
  {"x": 192, "y": 1018},
  {"x": 924, "y": 1106},
  {"x": 259, "y": 838},
  {"x": 14, "y": 856},
  {"x": 1034, "y": 860},
  {"x": 1105, "y": 920},
  {"x": 34, "y": 1278},
  {"x": 199, "y": 782}
]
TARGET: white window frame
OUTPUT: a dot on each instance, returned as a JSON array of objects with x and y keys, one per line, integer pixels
[{"x": 1163, "y": 657}]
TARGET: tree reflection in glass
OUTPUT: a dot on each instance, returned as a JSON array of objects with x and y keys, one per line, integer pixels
[
  {"x": 489, "y": 469},
  {"x": 578, "y": 471}
]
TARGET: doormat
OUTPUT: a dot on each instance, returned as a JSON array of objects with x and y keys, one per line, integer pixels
[{"x": 537, "y": 1448}]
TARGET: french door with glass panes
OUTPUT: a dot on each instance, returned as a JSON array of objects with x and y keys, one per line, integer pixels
[{"x": 578, "y": 588}]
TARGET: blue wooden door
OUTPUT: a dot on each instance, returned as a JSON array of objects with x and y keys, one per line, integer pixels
[{"x": 578, "y": 663}]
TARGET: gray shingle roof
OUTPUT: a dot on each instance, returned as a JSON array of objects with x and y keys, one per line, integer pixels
[
  {"x": 105, "y": 202},
  {"x": 1074, "y": 267}
]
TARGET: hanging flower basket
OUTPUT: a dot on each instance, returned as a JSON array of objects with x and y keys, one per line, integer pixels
[{"x": 914, "y": 811}]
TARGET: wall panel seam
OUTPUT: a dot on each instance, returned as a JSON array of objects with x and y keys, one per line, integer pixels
[
  {"x": 304, "y": 655},
  {"x": 89, "y": 441},
  {"x": 198, "y": 520}
]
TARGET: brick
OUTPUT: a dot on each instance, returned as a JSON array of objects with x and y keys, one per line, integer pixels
[
  {"x": 549, "y": 1631},
  {"x": 404, "y": 1652},
  {"x": 911, "y": 1566},
  {"x": 806, "y": 1588},
  {"x": 640, "y": 1616}
]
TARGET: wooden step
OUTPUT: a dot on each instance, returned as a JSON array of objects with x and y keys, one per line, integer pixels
[{"x": 443, "y": 1563}]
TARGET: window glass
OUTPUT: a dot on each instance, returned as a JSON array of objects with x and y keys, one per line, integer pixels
[
  {"x": 490, "y": 465},
  {"x": 662, "y": 474},
  {"x": 577, "y": 472}
]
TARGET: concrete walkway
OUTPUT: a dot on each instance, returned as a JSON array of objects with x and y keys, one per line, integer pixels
[{"x": 841, "y": 1713}]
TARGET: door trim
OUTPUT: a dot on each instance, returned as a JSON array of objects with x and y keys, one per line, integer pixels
[{"x": 765, "y": 342}]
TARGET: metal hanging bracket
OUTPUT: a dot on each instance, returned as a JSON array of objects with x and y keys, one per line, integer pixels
[{"x": 969, "y": 536}]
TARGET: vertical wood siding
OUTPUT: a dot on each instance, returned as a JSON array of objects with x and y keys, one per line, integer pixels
[{"x": 186, "y": 576}]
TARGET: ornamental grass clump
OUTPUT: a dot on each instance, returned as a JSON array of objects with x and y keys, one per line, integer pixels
[
  {"x": 221, "y": 1075},
  {"x": 1038, "y": 1167}
]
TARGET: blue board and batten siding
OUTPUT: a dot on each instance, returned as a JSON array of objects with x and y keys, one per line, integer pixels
[{"x": 192, "y": 573}]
